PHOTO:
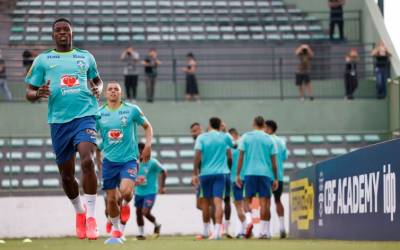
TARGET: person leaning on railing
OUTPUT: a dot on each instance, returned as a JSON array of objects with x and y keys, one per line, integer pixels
[
  {"x": 350, "y": 75},
  {"x": 382, "y": 68},
  {"x": 303, "y": 81},
  {"x": 336, "y": 7}
]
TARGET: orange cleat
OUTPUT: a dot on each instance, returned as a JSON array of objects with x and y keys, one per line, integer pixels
[
  {"x": 91, "y": 229},
  {"x": 108, "y": 227},
  {"x": 81, "y": 225},
  {"x": 116, "y": 234},
  {"x": 249, "y": 231},
  {"x": 125, "y": 213}
]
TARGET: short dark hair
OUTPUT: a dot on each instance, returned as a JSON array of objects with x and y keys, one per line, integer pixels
[
  {"x": 140, "y": 146},
  {"x": 272, "y": 125},
  {"x": 233, "y": 131},
  {"x": 215, "y": 123},
  {"x": 59, "y": 20},
  {"x": 259, "y": 121},
  {"x": 194, "y": 124},
  {"x": 190, "y": 54}
]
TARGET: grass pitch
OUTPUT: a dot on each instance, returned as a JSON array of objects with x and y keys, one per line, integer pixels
[{"x": 188, "y": 243}]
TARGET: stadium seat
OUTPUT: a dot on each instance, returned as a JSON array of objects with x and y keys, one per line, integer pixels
[
  {"x": 30, "y": 183},
  {"x": 172, "y": 181},
  {"x": 33, "y": 155},
  {"x": 168, "y": 154},
  {"x": 315, "y": 139},
  {"x": 338, "y": 151},
  {"x": 187, "y": 180},
  {"x": 32, "y": 169},
  {"x": 297, "y": 139},
  {"x": 302, "y": 165},
  {"x": 170, "y": 166},
  {"x": 15, "y": 155},
  {"x": 288, "y": 165},
  {"x": 17, "y": 142},
  {"x": 187, "y": 166},
  {"x": 1, "y": 155},
  {"x": 51, "y": 168},
  {"x": 51, "y": 182},
  {"x": 14, "y": 169},
  {"x": 320, "y": 152},
  {"x": 167, "y": 140},
  {"x": 153, "y": 141},
  {"x": 353, "y": 149},
  {"x": 334, "y": 138},
  {"x": 300, "y": 152},
  {"x": 2, "y": 142},
  {"x": 7, "y": 183},
  {"x": 353, "y": 138},
  {"x": 372, "y": 138},
  {"x": 49, "y": 155},
  {"x": 186, "y": 153},
  {"x": 48, "y": 142},
  {"x": 286, "y": 179}
]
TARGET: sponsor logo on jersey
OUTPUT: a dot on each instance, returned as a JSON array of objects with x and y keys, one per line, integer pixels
[
  {"x": 115, "y": 134},
  {"x": 69, "y": 81}
]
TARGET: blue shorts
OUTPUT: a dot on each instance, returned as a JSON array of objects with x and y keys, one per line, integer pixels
[
  {"x": 256, "y": 184},
  {"x": 238, "y": 193},
  {"x": 145, "y": 201},
  {"x": 212, "y": 186},
  {"x": 114, "y": 172},
  {"x": 66, "y": 136},
  {"x": 198, "y": 191},
  {"x": 227, "y": 186}
]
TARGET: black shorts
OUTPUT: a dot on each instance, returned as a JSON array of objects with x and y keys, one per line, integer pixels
[
  {"x": 302, "y": 78},
  {"x": 191, "y": 85},
  {"x": 278, "y": 193}
]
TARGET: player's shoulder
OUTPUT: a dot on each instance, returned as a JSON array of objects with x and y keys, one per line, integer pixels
[
  {"x": 44, "y": 54},
  {"x": 83, "y": 51},
  {"x": 102, "y": 107},
  {"x": 130, "y": 105}
]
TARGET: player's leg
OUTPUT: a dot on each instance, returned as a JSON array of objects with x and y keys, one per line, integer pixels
[
  {"x": 238, "y": 202},
  {"x": 280, "y": 209},
  {"x": 250, "y": 190},
  {"x": 128, "y": 176},
  {"x": 113, "y": 211},
  {"x": 264, "y": 192},
  {"x": 148, "y": 205},
  {"x": 218, "y": 192},
  {"x": 227, "y": 206},
  {"x": 205, "y": 196},
  {"x": 139, "y": 202}
]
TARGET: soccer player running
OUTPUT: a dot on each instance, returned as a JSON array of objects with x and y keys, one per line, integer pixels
[
  {"x": 117, "y": 125},
  {"x": 146, "y": 192},
  {"x": 257, "y": 153},
  {"x": 69, "y": 78},
  {"x": 212, "y": 152},
  {"x": 281, "y": 156}
]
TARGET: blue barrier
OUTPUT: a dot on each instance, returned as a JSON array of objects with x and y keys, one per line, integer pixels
[{"x": 351, "y": 197}]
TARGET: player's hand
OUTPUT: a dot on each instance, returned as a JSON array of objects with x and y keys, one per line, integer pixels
[
  {"x": 96, "y": 89},
  {"x": 44, "y": 91},
  {"x": 239, "y": 182},
  {"x": 275, "y": 185},
  {"x": 195, "y": 180},
  {"x": 161, "y": 190},
  {"x": 140, "y": 180},
  {"x": 146, "y": 154}
]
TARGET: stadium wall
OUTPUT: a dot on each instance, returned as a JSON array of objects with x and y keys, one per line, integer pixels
[
  {"x": 351, "y": 197},
  {"x": 174, "y": 118},
  {"x": 54, "y": 217}
]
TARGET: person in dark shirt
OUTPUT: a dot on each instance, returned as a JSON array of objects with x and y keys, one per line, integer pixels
[
  {"x": 3, "y": 79},
  {"x": 382, "y": 68},
  {"x": 192, "y": 90},
  {"x": 336, "y": 16},
  {"x": 27, "y": 59},
  {"x": 350, "y": 75},
  {"x": 151, "y": 64}
]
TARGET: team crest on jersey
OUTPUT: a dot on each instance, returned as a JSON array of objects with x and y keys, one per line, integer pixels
[
  {"x": 124, "y": 120},
  {"x": 115, "y": 135},
  {"x": 81, "y": 65}
]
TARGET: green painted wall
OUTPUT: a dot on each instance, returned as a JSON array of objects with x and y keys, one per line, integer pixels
[{"x": 293, "y": 116}]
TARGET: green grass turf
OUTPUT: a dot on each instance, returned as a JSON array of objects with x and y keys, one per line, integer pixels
[{"x": 188, "y": 243}]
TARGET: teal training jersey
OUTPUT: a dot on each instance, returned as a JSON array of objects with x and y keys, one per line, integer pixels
[
  {"x": 118, "y": 131},
  {"x": 213, "y": 146},
  {"x": 68, "y": 73},
  {"x": 281, "y": 155},
  {"x": 258, "y": 147},
  {"x": 235, "y": 160},
  {"x": 149, "y": 171}
]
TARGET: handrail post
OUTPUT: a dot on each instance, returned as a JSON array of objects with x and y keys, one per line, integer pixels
[{"x": 281, "y": 78}]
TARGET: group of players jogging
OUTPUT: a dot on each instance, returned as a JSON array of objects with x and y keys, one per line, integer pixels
[
  {"x": 69, "y": 78},
  {"x": 244, "y": 167}
]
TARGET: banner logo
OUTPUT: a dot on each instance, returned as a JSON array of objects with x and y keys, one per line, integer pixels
[{"x": 302, "y": 203}]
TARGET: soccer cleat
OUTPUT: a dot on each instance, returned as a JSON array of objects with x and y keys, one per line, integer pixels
[
  {"x": 157, "y": 230},
  {"x": 108, "y": 227},
  {"x": 264, "y": 237},
  {"x": 201, "y": 237},
  {"x": 123, "y": 238},
  {"x": 283, "y": 235},
  {"x": 116, "y": 234},
  {"x": 81, "y": 225},
  {"x": 140, "y": 237},
  {"x": 91, "y": 229},
  {"x": 125, "y": 213},
  {"x": 113, "y": 241},
  {"x": 249, "y": 231},
  {"x": 240, "y": 236}
]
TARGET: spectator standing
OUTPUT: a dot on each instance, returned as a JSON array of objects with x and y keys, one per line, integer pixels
[
  {"x": 351, "y": 75},
  {"x": 3, "y": 79},
  {"x": 27, "y": 59},
  {"x": 336, "y": 16},
  {"x": 192, "y": 91},
  {"x": 151, "y": 64},
  {"x": 131, "y": 59},
  {"x": 382, "y": 68},
  {"x": 303, "y": 81}
]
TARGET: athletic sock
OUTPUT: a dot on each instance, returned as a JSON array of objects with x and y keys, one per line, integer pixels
[
  {"x": 282, "y": 223},
  {"x": 78, "y": 206},
  {"x": 141, "y": 230},
  {"x": 267, "y": 229},
  {"x": 226, "y": 226},
  {"x": 91, "y": 205},
  {"x": 122, "y": 228},
  {"x": 248, "y": 218},
  {"x": 242, "y": 227},
  {"x": 217, "y": 230},
  {"x": 263, "y": 230},
  {"x": 115, "y": 223},
  {"x": 206, "y": 229}
]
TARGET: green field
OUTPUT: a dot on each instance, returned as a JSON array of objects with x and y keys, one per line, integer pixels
[{"x": 188, "y": 243}]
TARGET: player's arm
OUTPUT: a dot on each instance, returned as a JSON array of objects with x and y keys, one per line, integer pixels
[
  {"x": 196, "y": 168},
  {"x": 96, "y": 85},
  {"x": 275, "y": 171},
  {"x": 34, "y": 93},
  {"x": 229, "y": 157},
  {"x": 163, "y": 177},
  {"x": 239, "y": 169},
  {"x": 148, "y": 132}
]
